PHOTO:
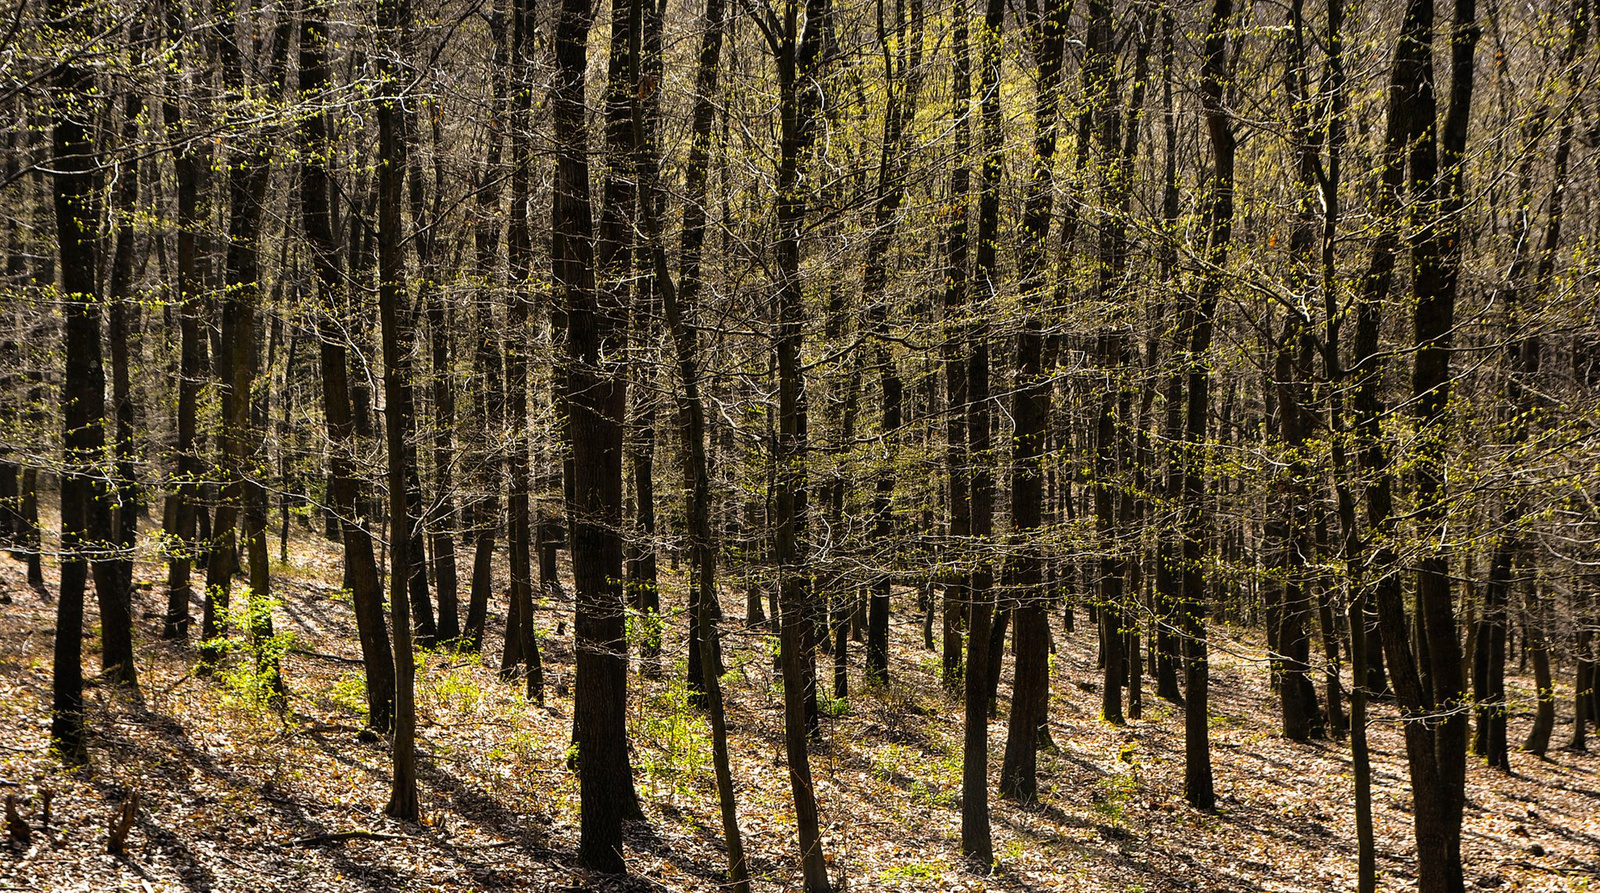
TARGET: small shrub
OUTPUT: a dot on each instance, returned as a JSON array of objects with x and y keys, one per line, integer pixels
[
  {"x": 250, "y": 674},
  {"x": 673, "y": 740},
  {"x": 350, "y": 692}
]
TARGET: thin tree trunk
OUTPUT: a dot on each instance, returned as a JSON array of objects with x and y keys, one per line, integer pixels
[
  {"x": 976, "y": 841},
  {"x": 394, "y": 19},
  {"x": 521, "y": 645},
  {"x": 1536, "y": 641},
  {"x": 904, "y": 81},
  {"x": 113, "y": 576},
  {"x": 954, "y": 611},
  {"x": 316, "y": 196},
  {"x": 691, "y": 409},
  {"x": 1198, "y": 785},
  {"x": 798, "y": 53}
]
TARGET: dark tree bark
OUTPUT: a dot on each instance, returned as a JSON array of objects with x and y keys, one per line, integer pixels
[
  {"x": 83, "y": 380},
  {"x": 1525, "y": 356},
  {"x": 615, "y": 253},
  {"x": 394, "y": 17},
  {"x": 1302, "y": 718},
  {"x": 1030, "y": 694},
  {"x": 1110, "y": 352},
  {"x": 691, "y": 409},
  {"x": 1425, "y": 684},
  {"x": 238, "y": 361},
  {"x": 113, "y": 574},
  {"x": 441, "y": 524},
  {"x": 1489, "y": 660},
  {"x": 904, "y": 81},
  {"x": 489, "y": 405},
  {"x": 596, "y": 395},
  {"x": 976, "y": 841},
  {"x": 687, "y": 295},
  {"x": 1198, "y": 785},
  {"x": 316, "y": 210},
  {"x": 1168, "y": 581},
  {"x": 125, "y": 498},
  {"x": 954, "y": 353},
  {"x": 798, "y": 51},
  {"x": 521, "y": 645}
]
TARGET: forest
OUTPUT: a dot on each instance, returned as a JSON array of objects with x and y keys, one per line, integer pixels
[{"x": 1119, "y": 445}]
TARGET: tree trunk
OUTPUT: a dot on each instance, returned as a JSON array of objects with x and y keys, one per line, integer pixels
[
  {"x": 976, "y": 841},
  {"x": 316, "y": 209},
  {"x": 489, "y": 407},
  {"x": 83, "y": 380},
  {"x": 954, "y": 355},
  {"x": 1030, "y": 696},
  {"x": 903, "y": 61},
  {"x": 521, "y": 644},
  {"x": 1198, "y": 786},
  {"x": 1535, "y": 640},
  {"x": 394, "y": 19},
  {"x": 691, "y": 409},
  {"x": 1435, "y": 749},
  {"x": 113, "y": 576},
  {"x": 596, "y": 394}
]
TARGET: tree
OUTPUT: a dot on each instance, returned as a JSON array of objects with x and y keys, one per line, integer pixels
[
  {"x": 1030, "y": 697},
  {"x": 1198, "y": 784},
  {"x": 393, "y": 18},
  {"x": 595, "y": 395},
  {"x": 976, "y": 842},
  {"x": 316, "y": 214},
  {"x": 83, "y": 384}
]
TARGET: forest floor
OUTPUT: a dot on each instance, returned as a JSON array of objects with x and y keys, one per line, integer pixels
[{"x": 230, "y": 789}]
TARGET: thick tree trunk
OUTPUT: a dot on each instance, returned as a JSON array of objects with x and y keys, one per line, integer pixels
[
  {"x": 1030, "y": 696},
  {"x": 1425, "y": 684},
  {"x": 596, "y": 393},
  {"x": 83, "y": 380}
]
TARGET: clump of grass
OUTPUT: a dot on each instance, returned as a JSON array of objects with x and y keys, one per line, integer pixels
[
  {"x": 890, "y": 764},
  {"x": 911, "y": 871}
]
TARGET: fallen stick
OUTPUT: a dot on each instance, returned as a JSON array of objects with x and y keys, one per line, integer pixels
[
  {"x": 342, "y": 836},
  {"x": 337, "y": 658}
]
